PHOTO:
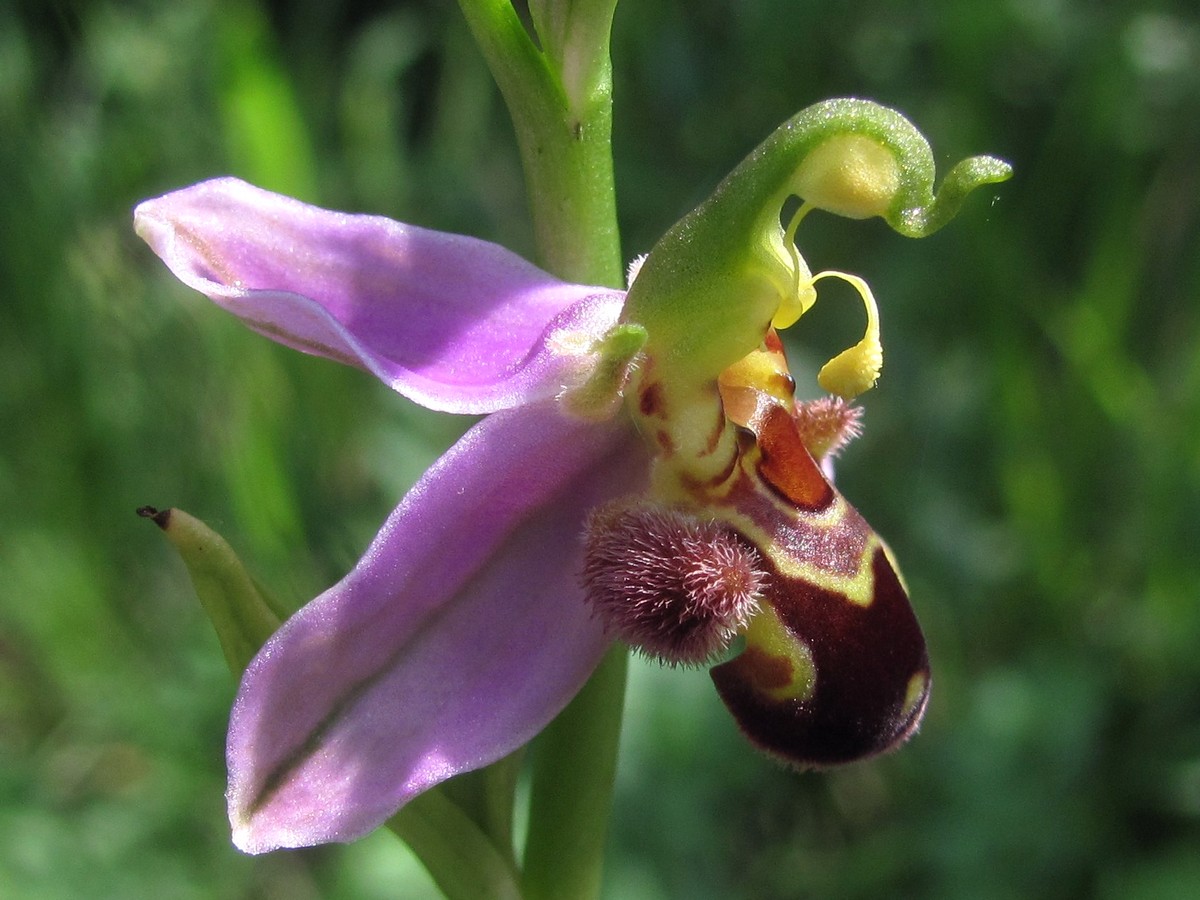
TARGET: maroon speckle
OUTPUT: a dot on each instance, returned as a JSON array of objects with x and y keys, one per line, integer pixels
[{"x": 650, "y": 401}]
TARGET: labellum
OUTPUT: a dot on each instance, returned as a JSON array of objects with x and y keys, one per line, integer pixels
[{"x": 835, "y": 666}]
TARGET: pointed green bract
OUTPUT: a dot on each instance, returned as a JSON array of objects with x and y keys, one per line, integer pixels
[{"x": 236, "y": 606}]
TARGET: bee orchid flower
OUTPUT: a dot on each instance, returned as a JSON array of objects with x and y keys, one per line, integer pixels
[{"x": 644, "y": 473}]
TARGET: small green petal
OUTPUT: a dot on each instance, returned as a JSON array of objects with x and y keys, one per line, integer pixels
[{"x": 613, "y": 358}]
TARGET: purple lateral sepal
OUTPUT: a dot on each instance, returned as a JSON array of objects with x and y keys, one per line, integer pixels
[
  {"x": 452, "y": 322},
  {"x": 459, "y": 635}
]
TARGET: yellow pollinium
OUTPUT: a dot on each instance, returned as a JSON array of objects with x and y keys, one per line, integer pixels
[
  {"x": 852, "y": 175},
  {"x": 803, "y": 294},
  {"x": 857, "y": 368}
]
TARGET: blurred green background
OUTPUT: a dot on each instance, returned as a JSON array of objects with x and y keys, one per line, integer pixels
[{"x": 1032, "y": 453}]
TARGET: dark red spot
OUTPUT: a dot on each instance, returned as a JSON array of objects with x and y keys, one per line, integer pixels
[
  {"x": 650, "y": 401},
  {"x": 703, "y": 487},
  {"x": 714, "y": 436}
]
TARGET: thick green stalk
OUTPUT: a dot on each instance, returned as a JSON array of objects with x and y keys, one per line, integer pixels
[
  {"x": 575, "y": 763},
  {"x": 559, "y": 93},
  {"x": 560, "y": 99}
]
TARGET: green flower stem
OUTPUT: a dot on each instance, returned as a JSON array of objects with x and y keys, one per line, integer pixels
[
  {"x": 560, "y": 99},
  {"x": 575, "y": 762},
  {"x": 559, "y": 93}
]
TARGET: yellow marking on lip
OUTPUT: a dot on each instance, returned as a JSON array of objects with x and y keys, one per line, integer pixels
[
  {"x": 783, "y": 662},
  {"x": 858, "y": 588},
  {"x": 918, "y": 687}
]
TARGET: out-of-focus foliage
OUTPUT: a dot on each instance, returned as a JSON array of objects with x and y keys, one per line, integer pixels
[{"x": 1032, "y": 453}]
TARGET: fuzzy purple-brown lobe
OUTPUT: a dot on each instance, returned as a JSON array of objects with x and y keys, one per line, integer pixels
[
  {"x": 672, "y": 585},
  {"x": 827, "y": 425}
]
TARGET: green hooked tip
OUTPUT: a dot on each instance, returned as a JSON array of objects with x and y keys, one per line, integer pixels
[{"x": 711, "y": 286}]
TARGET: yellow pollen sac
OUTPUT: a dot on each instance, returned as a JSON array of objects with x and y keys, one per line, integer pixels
[
  {"x": 855, "y": 369},
  {"x": 851, "y": 175}
]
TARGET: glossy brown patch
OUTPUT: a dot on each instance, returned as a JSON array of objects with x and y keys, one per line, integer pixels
[
  {"x": 865, "y": 658},
  {"x": 786, "y": 464}
]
